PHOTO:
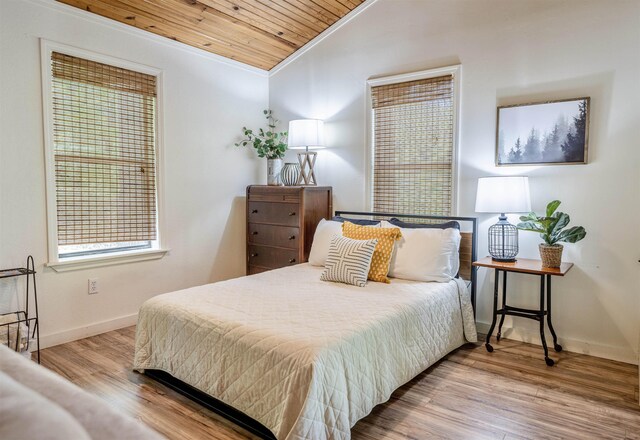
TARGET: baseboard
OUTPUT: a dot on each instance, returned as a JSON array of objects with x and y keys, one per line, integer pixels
[
  {"x": 516, "y": 334},
  {"x": 86, "y": 331},
  {"x": 572, "y": 345}
]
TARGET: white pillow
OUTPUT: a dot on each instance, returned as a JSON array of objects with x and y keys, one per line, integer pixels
[
  {"x": 349, "y": 260},
  {"x": 425, "y": 254},
  {"x": 325, "y": 230}
]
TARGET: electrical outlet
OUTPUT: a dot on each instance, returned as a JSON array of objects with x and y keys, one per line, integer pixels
[{"x": 93, "y": 286}]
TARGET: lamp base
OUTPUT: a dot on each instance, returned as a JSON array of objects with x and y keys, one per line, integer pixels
[
  {"x": 504, "y": 260},
  {"x": 503, "y": 241},
  {"x": 307, "y": 161}
]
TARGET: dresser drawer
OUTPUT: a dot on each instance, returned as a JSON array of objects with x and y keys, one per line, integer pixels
[
  {"x": 272, "y": 257},
  {"x": 283, "y": 236},
  {"x": 287, "y": 214},
  {"x": 252, "y": 270},
  {"x": 280, "y": 194}
]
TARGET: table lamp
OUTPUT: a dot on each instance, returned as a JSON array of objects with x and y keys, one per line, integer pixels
[
  {"x": 504, "y": 194},
  {"x": 306, "y": 134}
]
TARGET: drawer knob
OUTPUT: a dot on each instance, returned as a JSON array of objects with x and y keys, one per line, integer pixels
[
  {"x": 255, "y": 211},
  {"x": 254, "y": 233},
  {"x": 293, "y": 260},
  {"x": 254, "y": 255},
  {"x": 292, "y": 213},
  {"x": 293, "y": 237}
]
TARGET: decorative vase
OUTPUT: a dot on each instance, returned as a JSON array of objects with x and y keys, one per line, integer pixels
[
  {"x": 289, "y": 174},
  {"x": 274, "y": 167},
  {"x": 551, "y": 255}
]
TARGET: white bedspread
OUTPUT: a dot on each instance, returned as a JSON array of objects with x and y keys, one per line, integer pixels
[{"x": 304, "y": 357}]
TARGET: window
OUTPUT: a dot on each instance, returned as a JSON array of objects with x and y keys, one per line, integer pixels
[
  {"x": 414, "y": 143},
  {"x": 101, "y": 154}
]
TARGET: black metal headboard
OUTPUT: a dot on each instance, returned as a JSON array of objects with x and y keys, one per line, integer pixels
[{"x": 466, "y": 260}]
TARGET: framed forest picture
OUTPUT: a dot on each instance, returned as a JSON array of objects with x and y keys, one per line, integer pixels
[{"x": 543, "y": 133}]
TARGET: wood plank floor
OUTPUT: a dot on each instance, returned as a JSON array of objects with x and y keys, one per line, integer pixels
[{"x": 470, "y": 394}]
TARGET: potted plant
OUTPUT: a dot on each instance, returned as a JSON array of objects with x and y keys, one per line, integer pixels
[
  {"x": 552, "y": 230},
  {"x": 268, "y": 143}
]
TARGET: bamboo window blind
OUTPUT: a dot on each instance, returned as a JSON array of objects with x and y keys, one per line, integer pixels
[
  {"x": 104, "y": 151},
  {"x": 413, "y": 146}
]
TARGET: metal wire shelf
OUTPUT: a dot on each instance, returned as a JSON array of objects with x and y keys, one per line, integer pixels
[
  {"x": 15, "y": 272},
  {"x": 22, "y": 317}
]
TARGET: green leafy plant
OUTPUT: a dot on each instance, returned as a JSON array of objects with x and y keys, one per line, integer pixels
[
  {"x": 267, "y": 143},
  {"x": 552, "y": 227}
]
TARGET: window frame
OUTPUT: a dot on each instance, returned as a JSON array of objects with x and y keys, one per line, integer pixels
[
  {"x": 106, "y": 258},
  {"x": 455, "y": 71}
]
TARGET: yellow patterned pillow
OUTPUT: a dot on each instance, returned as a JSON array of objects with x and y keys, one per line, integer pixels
[{"x": 384, "y": 249}]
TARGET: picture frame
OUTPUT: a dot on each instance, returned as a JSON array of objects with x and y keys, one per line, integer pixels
[{"x": 543, "y": 133}]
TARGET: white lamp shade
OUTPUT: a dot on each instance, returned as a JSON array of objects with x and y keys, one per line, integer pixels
[
  {"x": 306, "y": 133},
  {"x": 504, "y": 194}
]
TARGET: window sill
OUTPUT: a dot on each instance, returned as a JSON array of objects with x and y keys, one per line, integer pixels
[{"x": 79, "y": 263}]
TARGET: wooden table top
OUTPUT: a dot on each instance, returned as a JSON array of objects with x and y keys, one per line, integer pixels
[{"x": 524, "y": 265}]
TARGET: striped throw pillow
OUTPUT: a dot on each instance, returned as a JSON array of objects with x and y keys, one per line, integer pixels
[{"x": 348, "y": 260}]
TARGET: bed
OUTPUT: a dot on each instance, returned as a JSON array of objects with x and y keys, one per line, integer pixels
[{"x": 305, "y": 358}]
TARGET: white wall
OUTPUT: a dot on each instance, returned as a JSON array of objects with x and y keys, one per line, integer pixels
[
  {"x": 206, "y": 102},
  {"x": 511, "y": 52}
]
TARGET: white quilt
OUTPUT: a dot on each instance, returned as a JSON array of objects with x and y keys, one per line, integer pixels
[{"x": 304, "y": 357}]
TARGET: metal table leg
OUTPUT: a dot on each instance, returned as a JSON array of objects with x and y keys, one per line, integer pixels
[
  {"x": 547, "y": 359},
  {"x": 495, "y": 312},
  {"x": 556, "y": 346},
  {"x": 504, "y": 304}
]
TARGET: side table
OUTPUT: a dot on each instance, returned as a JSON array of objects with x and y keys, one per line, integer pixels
[{"x": 531, "y": 267}]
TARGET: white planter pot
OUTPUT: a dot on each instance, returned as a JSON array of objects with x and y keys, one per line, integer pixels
[{"x": 274, "y": 167}]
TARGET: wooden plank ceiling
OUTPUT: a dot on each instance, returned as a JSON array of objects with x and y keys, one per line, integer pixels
[{"x": 260, "y": 33}]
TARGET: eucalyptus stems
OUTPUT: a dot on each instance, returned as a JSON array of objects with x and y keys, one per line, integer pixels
[{"x": 268, "y": 143}]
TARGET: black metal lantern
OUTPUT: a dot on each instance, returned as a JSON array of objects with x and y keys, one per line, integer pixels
[{"x": 503, "y": 240}]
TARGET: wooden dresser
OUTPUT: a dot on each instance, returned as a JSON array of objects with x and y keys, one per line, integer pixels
[{"x": 281, "y": 221}]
